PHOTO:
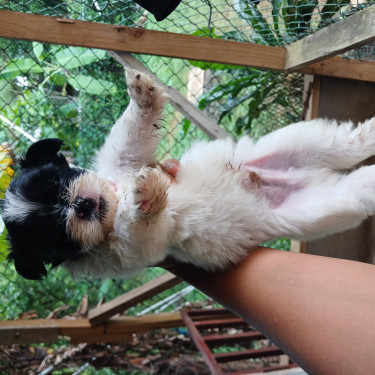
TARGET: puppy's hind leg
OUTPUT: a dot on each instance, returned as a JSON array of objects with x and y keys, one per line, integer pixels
[
  {"x": 339, "y": 202},
  {"x": 315, "y": 143},
  {"x": 350, "y": 145}
]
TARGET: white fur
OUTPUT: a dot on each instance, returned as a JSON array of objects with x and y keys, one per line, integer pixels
[
  {"x": 228, "y": 197},
  {"x": 18, "y": 208}
]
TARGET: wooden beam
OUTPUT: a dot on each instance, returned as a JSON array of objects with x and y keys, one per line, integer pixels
[
  {"x": 48, "y": 330},
  {"x": 343, "y": 68},
  {"x": 80, "y": 330},
  {"x": 352, "y": 32},
  {"x": 65, "y": 31},
  {"x": 176, "y": 99},
  {"x": 13, "y": 334},
  {"x": 102, "y": 313},
  {"x": 126, "y": 39}
]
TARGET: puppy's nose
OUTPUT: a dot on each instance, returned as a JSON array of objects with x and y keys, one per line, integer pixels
[{"x": 85, "y": 208}]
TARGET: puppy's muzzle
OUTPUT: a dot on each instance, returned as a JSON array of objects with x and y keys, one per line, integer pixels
[{"x": 85, "y": 208}]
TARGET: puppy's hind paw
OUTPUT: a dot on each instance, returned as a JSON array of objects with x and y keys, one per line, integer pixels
[
  {"x": 144, "y": 91},
  {"x": 150, "y": 191}
]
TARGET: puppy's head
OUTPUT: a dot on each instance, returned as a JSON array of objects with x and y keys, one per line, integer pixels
[{"x": 43, "y": 207}]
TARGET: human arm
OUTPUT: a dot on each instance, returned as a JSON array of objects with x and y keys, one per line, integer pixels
[{"x": 320, "y": 311}]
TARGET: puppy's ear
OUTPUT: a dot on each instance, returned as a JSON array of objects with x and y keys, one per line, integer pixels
[
  {"x": 43, "y": 152},
  {"x": 29, "y": 267}
]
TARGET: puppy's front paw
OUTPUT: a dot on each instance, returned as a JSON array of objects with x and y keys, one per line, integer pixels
[
  {"x": 150, "y": 192},
  {"x": 144, "y": 91}
]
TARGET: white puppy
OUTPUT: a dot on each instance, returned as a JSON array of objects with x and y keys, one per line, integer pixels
[{"x": 229, "y": 197}]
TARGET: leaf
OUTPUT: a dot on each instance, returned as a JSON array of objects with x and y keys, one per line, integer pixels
[
  {"x": 69, "y": 110},
  {"x": 232, "y": 88},
  {"x": 58, "y": 78},
  {"x": 185, "y": 127},
  {"x": 3, "y": 243},
  {"x": 18, "y": 67},
  {"x": 5, "y": 178},
  {"x": 6, "y": 172},
  {"x": 105, "y": 288},
  {"x": 38, "y": 50},
  {"x": 276, "y": 5},
  {"x": 206, "y": 32},
  {"x": 263, "y": 31},
  {"x": 75, "y": 57},
  {"x": 92, "y": 86},
  {"x": 213, "y": 66}
]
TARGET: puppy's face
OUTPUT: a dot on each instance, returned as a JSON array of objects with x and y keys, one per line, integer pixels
[
  {"x": 91, "y": 210},
  {"x": 53, "y": 212}
]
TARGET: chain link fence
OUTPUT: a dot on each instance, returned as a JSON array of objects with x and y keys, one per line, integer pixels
[{"x": 77, "y": 94}]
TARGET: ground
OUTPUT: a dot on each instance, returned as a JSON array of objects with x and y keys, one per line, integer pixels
[{"x": 157, "y": 352}]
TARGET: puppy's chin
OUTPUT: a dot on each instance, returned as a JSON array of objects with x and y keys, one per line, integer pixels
[{"x": 93, "y": 227}]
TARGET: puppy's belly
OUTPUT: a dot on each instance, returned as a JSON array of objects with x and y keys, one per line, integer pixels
[{"x": 217, "y": 220}]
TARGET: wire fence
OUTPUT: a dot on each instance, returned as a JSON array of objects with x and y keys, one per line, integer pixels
[{"x": 77, "y": 94}]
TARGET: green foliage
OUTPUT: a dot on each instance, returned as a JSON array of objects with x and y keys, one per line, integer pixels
[
  {"x": 116, "y": 12},
  {"x": 228, "y": 349},
  {"x": 6, "y": 172},
  {"x": 3, "y": 243},
  {"x": 243, "y": 96},
  {"x": 281, "y": 244},
  {"x": 67, "y": 92},
  {"x": 290, "y": 19},
  {"x": 19, "y": 295}
]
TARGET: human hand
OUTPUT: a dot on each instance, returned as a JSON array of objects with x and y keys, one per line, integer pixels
[{"x": 171, "y": 166}]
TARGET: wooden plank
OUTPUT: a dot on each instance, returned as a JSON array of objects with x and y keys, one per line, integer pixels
[
  {"x": 342, "y": 68},
  {"x": 196, "y": 116},
  {"x": 28, "y": 335},
  {"x": 218, "y": 311},
  {"x": 220, "y": 323},
  {"x": 131, "y": 324},
  {"x": 232, "y": 338},
  {"x": 120, "y": 38},
  {"x": 80, "y": 330},
  {"x": 38, "y": 330},
  {"x": 352, "y": 32},
  {"x": 102, "y": 313},
  {"x": 269, "y": 351},
  {"x": 45, "y": 330},
  {"x": 208, "y": 356},
  {"x": 176, "y": 99},
  {"x": 103, "y": 36}
]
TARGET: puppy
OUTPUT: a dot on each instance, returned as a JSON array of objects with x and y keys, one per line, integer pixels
[{"x": 298, "y": 182}]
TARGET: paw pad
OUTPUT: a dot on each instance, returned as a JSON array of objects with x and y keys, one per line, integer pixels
[
  {"x": 150, "y": 191},
  {"x": 143, "y": 90}
]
